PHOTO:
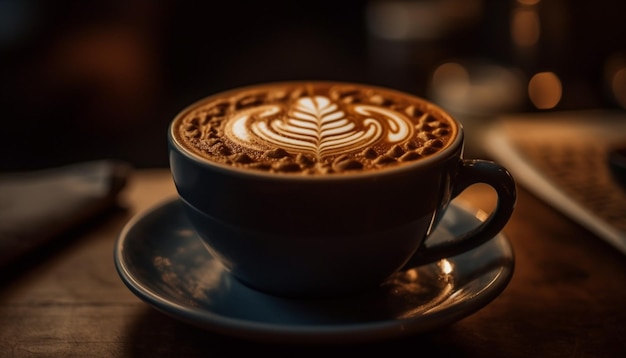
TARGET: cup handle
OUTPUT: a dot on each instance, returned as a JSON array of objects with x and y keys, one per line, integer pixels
[{"x": 473, "y": 172}]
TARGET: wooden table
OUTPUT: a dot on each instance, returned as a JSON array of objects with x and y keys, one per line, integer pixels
[{"x": 567, "y": 298}]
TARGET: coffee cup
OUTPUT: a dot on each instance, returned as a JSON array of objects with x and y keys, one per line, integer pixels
[{"x": 319, "y": 189}]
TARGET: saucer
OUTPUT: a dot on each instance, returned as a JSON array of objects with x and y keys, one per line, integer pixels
[{"x": 162, "y": 261}]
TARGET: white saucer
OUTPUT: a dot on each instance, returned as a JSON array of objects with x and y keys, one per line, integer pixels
[{"x": 160, "y": 259}]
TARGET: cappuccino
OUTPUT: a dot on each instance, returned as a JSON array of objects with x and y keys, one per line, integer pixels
[
  {"x": 318, "y": 189},
  {"x": 313, "y": 128}
]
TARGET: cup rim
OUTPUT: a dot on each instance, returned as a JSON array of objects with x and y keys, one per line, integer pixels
[{"x": 438, "y": 157}]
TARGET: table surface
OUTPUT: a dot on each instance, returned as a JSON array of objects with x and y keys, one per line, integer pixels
[{"x": 567, "y": 298}]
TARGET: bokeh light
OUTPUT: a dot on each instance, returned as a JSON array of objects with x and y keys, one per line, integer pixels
[{"x": 545, "y": 90}]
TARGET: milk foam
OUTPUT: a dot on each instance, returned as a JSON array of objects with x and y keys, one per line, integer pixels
[{"x": 317, "y": 126}]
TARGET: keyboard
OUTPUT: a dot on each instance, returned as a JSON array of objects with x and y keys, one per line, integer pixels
[{"x": 562, "y": 157}]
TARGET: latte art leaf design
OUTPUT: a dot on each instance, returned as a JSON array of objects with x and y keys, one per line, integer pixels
[
  {"x": 314, "y": 128},
  {"x": 319, "y": 127}
]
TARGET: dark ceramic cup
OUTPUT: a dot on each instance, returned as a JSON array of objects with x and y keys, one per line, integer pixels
[{"x": 320, "y": 189}]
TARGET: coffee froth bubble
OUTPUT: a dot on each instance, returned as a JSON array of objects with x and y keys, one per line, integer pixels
[{"x": 313, "y": 128}]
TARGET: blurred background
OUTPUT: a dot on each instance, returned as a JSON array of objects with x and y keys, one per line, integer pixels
[{"x": 102, "y": 79}]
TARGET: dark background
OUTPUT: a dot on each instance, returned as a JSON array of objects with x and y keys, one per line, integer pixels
[{"x": 102, "y": 79}]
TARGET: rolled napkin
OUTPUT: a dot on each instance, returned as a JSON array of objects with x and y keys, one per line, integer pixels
[{"x": 38, "y": 206}]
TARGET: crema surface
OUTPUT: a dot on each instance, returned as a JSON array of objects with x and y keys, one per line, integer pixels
[{"x": 313, "y": 128}]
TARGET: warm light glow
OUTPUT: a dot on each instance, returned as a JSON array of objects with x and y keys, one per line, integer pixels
[
  {"x": 411, "y": 275},
  {"x": 544, "y": 90},
  {"x": 477, "y": 87},
  {"x": 453, "y": 79},
  {"x": 525, "y": 27},
  {"x": 446, "y": 266}
]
